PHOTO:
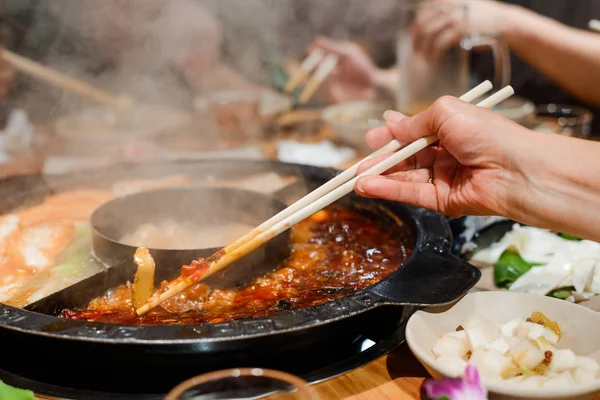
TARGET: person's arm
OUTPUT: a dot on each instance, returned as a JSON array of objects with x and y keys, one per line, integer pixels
[
  {"x": 563, "y": 185},
  {"x": 567, "y": 56},
  {"x": 485, "y": 164}
]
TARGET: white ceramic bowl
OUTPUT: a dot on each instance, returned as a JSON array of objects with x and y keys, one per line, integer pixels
[
  {"x": 580, "y": 327},
  {"x": 353, "y": 119}
]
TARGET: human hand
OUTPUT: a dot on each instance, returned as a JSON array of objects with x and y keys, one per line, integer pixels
[
  {"x": 355, "y": 75},
  {"x": 436, "y": 29},
  {"x": 477, "y": 165}
]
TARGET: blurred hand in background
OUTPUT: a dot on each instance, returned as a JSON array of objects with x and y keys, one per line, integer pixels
[
  {"x": 437, "y": 29},
  {"x": 355, "y": 77}
]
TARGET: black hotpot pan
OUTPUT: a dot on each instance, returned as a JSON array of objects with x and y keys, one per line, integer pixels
[{"x": 153, "y": 359}]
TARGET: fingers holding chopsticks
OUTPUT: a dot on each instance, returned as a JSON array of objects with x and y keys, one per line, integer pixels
[
  {"x": 469, "y": 170},
  {"x": 341, "y": 68}
]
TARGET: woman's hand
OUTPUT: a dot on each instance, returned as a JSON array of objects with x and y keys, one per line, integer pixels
[
  {"x": 472, "y": 165},
  {"x": 485, "y": 164},
  {"x": 435, "y": 31},
  {"x": 355, "y": 77}
]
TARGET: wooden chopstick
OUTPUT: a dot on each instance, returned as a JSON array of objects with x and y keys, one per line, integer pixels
[
  {"x": 313, "y": 59},
  {"x": 61, "y": 80},
  {"x": 286, "y": 219},
  {"x": 324, "y": 70}
]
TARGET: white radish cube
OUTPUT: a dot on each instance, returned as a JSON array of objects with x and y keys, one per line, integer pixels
[
  {"x": 533, "y": 381},
  {"x": 526, "y": 354},
  {"x": 453, "y": 366},
  {"x": 588, "y": 364},
  {"x": 545, "y": 345},
  {"x": 450, "y": 346},
  {"x": 563, "y": 360},
  {"x": 512, "y": 341},
  {"x": 550, "y": 336},
  {"x": 559, "y": 381},
  {"x": 533, "y": 331},
  {"x": 498, "y": 344},
  {"x": 491, "y": 363},
  {"x": 511, "y": 327},
  {"x": 582, "y": 376},
  {"x": 457, "y": 335},
  {"x": 481, "y": 335},
  {"x": 525, "y": 328}
]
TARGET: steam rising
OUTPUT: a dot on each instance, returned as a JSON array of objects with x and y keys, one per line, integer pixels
[{"x": 166, "y": 51}]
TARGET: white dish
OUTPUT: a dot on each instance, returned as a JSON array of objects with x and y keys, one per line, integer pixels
[{"x": 580, "y": 327}]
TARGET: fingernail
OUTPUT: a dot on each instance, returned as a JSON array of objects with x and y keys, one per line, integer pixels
[
  {"x": 393, "y": 116},
  {"x": 359, "y": 186},
  {"x": 360, "y": 183}
]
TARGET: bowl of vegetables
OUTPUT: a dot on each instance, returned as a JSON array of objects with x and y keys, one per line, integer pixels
[{"x": 523, "y": 346}]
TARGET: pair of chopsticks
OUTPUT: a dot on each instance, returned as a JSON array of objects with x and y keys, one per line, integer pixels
[
  {"x": 318, "y": 199},
  {"x": 324, "y": 64},
  {"x": 63, "y": 81}
]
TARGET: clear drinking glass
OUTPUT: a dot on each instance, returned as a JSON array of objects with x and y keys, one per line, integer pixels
[
  {"x": 422, "y": 79},
  {"x": 564, "y": 119},
  {"x": 244, "y": 383}
]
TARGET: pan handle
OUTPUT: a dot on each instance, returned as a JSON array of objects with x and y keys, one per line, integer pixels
[
  {"x": 429, "y": 278},
  {"x": 432, "y": 275}
]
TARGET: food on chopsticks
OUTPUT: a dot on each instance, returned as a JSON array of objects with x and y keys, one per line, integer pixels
[
  {"x": 539, "y": 261},
  {"x": 522, "y": 351},
  {"x": 171, "y": 234},
  {"x": 143, "y": 282},
  {"x": 333, "y": 254}
]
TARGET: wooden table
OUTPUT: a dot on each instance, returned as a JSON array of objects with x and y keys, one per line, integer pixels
[{"x": 396, "y": 376}]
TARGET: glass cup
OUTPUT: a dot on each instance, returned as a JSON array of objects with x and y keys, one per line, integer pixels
[
  {"x": 244, "y": 383},
  {"x": 424, "y": 78},
  {"x": 563, "y": 119}
]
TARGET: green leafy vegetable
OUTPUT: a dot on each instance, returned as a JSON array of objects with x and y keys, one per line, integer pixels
[
  {"x": 509, "y": 267},
  {"x": 8, "y": 392},
  {"x": 569, "y": 237},
  {"x": 561, "y": 293}
]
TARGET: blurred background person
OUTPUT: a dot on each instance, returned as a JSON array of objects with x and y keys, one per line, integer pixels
[
  {"x": 553, "y": 60},
  {"x": 159, "y": 51}
]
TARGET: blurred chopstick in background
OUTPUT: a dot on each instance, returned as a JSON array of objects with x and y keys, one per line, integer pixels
[
  {"x": 63, "y": 81},
  {"x": 324, "y": 63}
]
